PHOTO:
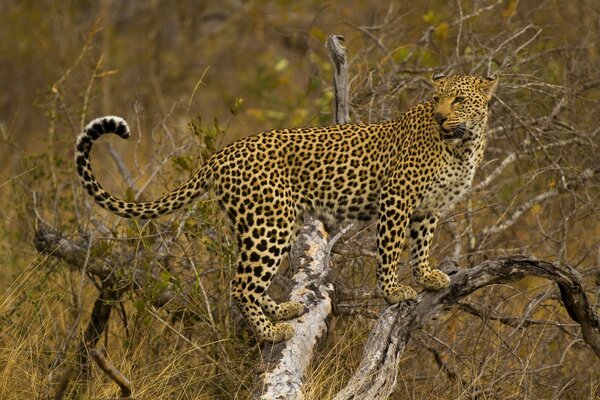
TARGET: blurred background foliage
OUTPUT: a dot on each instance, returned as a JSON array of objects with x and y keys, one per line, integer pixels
[{"x": 192, "y": 76}]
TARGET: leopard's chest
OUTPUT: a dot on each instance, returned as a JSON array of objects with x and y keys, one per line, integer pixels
[{"x": 451, "y": 183}]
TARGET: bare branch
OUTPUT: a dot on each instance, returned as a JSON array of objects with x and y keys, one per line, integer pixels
[
  {"x": 113, "y": 373},
  {"x": 52, "y": 242},
  {"x": 337, "y": 55},
  {"x": 517, "y": 212},
  {"x": 512, "y": 157},
  {"x": 376, "y": 375},
  {"x": 514, "y": 322},
  {"x": 121, "y": 167}
]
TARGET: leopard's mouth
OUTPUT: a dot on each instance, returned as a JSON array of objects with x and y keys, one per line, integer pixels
[{"x": 454, "y": 133}]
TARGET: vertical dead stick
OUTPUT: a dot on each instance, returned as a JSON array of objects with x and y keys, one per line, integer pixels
[
  {"x": 96, "y": 326},
  {"x": 113, "y": 373},
  {"x": 337, "y": 55},
  {"x": 285, "y": 364}
]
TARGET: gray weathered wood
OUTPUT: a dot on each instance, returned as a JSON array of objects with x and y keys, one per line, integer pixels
[
  {"x": 337, "y": 54},
  {"x": 376, "y": 375},
  {"x": 285, "y": 364}
]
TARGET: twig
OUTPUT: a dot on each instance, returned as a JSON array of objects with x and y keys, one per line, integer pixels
[
  {"x": 14, "y": 178},
  {"x": 540, "y": 198},
  {"x": 512, "y": 157},
  {"x": 156, "y": 170},
  {"x": 514, "y": 322},
  {"x": 479, "y": 11},
  {"x": 113, "y": 373},
  {"x": 518, "y": 212},
  {"x": 442, "y": 365},
  {"x": 121, "y": 167},
  {"x": 52, "y": 242}
]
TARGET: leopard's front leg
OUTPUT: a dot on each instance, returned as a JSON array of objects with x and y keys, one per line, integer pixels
[
  {"x": 391, "y": 232},
  {"x": 421, "y": 227}
]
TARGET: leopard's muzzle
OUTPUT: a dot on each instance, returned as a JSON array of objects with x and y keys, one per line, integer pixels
[{"x": 454, "y": 133}]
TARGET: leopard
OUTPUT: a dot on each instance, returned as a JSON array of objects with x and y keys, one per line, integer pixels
[{"x": 402, "y": 174}]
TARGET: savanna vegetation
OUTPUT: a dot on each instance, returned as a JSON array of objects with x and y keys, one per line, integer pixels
[{"x": 191, "y": 77}]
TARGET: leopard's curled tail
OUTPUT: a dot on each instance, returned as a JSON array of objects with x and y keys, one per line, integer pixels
[{"x": 172, "y": 201}]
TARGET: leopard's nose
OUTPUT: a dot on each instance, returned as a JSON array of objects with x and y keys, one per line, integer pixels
[{"x": 439, "y": 118}]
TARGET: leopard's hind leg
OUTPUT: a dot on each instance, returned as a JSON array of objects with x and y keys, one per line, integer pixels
[{"x": 264, "y": 237}]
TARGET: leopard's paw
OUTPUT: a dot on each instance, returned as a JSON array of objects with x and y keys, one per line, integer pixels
[
  {"x": 289, "y": 310},
  {"x": 283, "y": 311},
  {"x": 399, "y": 293},
  {"x": 434, "y": 280},
  {"x": 276, "y": 333}
]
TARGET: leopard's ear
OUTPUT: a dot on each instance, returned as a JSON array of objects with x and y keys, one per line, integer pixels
[
  {"x": 488, "y": 86},
  {"x": 437, "y": 78}
]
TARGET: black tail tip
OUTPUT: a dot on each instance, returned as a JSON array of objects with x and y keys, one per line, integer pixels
[{"x": 108, "y": 124}]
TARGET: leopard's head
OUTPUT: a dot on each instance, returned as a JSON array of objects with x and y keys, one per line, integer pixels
[{"x": 461, "y": 103}]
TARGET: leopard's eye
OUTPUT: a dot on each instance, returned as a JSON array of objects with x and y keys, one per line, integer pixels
[
  {"x": 458, "y": 99},
  {"x": 436, "y": 98}
]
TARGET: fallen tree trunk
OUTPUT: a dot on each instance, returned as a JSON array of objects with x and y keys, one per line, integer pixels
[{"x": 376, "y": 375}]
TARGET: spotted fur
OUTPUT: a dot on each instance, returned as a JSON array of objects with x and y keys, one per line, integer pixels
[{"x": 405, "y": 173}]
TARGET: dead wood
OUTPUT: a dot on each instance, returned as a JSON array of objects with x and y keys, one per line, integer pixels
[
  {"x": 112, "y": 372},
  {"x": 284, "y": 365},
  {"x": 337, "y": 55},
  {"x": 376, "y": 375}
]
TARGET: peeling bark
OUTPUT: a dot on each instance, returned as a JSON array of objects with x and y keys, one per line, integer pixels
[{"x": 285, "y": 364}]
